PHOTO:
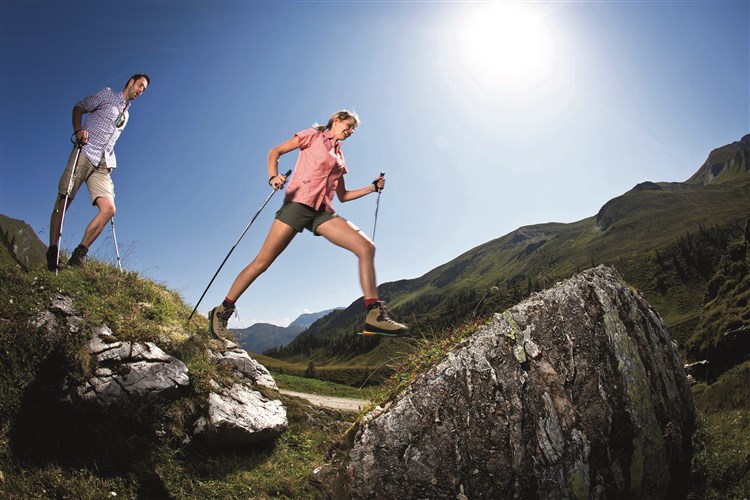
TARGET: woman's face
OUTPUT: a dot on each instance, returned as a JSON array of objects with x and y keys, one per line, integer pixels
[{"x": 341, "y": 129}]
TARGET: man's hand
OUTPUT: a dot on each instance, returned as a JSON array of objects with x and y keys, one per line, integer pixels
[{"x": 82, "y": 137}]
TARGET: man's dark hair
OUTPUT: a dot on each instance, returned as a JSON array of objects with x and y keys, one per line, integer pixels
[{"x": 137, "y": 76}]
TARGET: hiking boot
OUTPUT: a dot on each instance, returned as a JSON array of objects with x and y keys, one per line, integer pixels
[
  {"x": 378, "y": 322},
  {"x": 52, "y": 263},
  {"x": 218, "y": 318},
  {"x": 78, "y": 257}
]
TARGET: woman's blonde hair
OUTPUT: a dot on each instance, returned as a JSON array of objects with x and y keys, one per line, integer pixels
[{"x": 340, "y": 115}]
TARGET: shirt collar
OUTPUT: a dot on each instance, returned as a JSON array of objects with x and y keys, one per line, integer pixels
[{"x": 327, "y": 135}]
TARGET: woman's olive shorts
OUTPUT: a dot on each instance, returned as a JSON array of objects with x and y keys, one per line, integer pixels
[{"x": 300, "y": 216}]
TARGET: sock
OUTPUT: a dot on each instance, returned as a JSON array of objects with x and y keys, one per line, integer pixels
[
  {"x": 371, "y": 301},
  {"x": 228, "y": 303},
  {"x": 83, "y": 249}
]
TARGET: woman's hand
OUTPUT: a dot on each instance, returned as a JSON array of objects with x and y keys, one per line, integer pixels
[
  {"x": 277, "y": 181},
  {"x": 379, "y": 183}
]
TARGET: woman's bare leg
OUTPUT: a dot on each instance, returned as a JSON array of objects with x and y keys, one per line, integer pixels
[{"x": 346, "y": 235}]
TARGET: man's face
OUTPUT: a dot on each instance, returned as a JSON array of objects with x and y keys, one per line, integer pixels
[{"x": 134, "y": 88}]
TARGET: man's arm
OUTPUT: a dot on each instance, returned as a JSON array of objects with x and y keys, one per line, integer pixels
[{"x": 82, "y": 136}]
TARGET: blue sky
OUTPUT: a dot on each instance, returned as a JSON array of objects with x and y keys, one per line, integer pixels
[{"x": 485, "y": 117}]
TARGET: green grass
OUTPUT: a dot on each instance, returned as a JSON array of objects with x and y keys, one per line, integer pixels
[
  {"x": 278, "y": 469},
  {"x": 322, "y": 387},
  {"x": 721, "y": 464},
  {"x": 353, "y": 375}
]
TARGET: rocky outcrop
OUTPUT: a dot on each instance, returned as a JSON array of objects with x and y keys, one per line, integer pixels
[
  {"x": 240, "y": 415},
  {"x": 576, "y": 392},
  {"x": 247, "y": 410}
]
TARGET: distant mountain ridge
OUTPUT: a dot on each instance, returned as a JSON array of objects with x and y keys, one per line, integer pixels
[
  {"x": 261, "y": 337},
  {"x": 665, "y": 238}
]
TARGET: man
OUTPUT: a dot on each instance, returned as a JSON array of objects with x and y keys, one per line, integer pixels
[{"x": 108, "y": 115}]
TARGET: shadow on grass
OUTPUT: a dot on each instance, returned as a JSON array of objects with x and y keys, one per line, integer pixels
[{"x": 50, "y": 429}]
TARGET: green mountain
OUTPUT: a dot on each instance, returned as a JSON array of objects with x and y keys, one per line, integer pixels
[
  {"x": 19, "y": 244},
  {"x": 665, "y": 238}
]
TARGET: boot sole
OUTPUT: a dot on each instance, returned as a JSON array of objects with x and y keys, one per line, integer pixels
[{"x": 366, "y": 333}]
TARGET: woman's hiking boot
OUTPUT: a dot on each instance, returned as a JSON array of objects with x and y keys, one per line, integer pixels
[
  {"x": 218, "y": 318},
  {"x": 378, "y": 322}
]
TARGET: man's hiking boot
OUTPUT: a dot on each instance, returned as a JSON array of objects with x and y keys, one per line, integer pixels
[
  {"x": 218, "y": 318},
  {"x": 378, "y": 322},
  {"x": 52, "y": 263},
  {"x": 78, "y": 257}
]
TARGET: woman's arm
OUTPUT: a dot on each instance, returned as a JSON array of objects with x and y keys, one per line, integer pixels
[
  {"x": 344, "y": 195},
  {"x": 274, "y": 179}
]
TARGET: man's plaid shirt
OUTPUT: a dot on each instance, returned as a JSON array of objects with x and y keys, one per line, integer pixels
[{"x": 103, "y": 108}]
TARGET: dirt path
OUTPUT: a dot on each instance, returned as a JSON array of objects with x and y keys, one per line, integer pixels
[{"x": 330, "y": 402}]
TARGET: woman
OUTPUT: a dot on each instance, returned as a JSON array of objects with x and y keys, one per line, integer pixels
[{"x": 308, "y": 204}]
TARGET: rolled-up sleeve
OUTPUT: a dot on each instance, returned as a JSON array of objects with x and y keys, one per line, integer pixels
[{"x": 90, "y": 103}]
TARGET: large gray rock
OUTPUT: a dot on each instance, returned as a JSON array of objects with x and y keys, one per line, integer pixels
[
  {"x": 575, "y": 392},
  {"x": 130, "y": 368}
]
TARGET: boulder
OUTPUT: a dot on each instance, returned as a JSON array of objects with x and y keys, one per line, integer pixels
[{"x": 576, "y": 392}]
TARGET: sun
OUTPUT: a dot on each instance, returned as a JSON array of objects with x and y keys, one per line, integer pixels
[{"x": 504, "y": 45}]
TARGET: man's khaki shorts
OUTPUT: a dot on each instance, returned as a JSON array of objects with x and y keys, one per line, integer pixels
[
  {"x": 97, "y": 179},
  {"x": 300, "y": 216}
]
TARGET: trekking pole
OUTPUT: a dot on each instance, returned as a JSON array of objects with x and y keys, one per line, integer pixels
[
  {"x": 235, "y": 245},
  {"x": 377, "y": 206},
  {"x": 77, "y": 143},
  {"x": 114, "y": 238}
]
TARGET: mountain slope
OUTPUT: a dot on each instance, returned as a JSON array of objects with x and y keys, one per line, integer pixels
[
  {"x": 665, "y": 239},
  {"x": 20, "y": 244}
]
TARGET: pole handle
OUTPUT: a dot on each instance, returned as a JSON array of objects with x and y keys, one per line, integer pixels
[
  {"x": 74, "y": 139},
  {"x": 382, "y": 174}
]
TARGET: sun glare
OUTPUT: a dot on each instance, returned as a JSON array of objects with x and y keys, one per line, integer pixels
[{"x": 504, "y": 46}]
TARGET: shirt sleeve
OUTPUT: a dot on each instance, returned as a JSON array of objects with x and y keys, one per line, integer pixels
[
  {"x": 305, "y": 137},
  {"x": 90, "y": 103}
]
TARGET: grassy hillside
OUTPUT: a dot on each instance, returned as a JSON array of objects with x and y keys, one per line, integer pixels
[
  {"x": 51, "y": 448},
  {"x": 666, "y": 239}
]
